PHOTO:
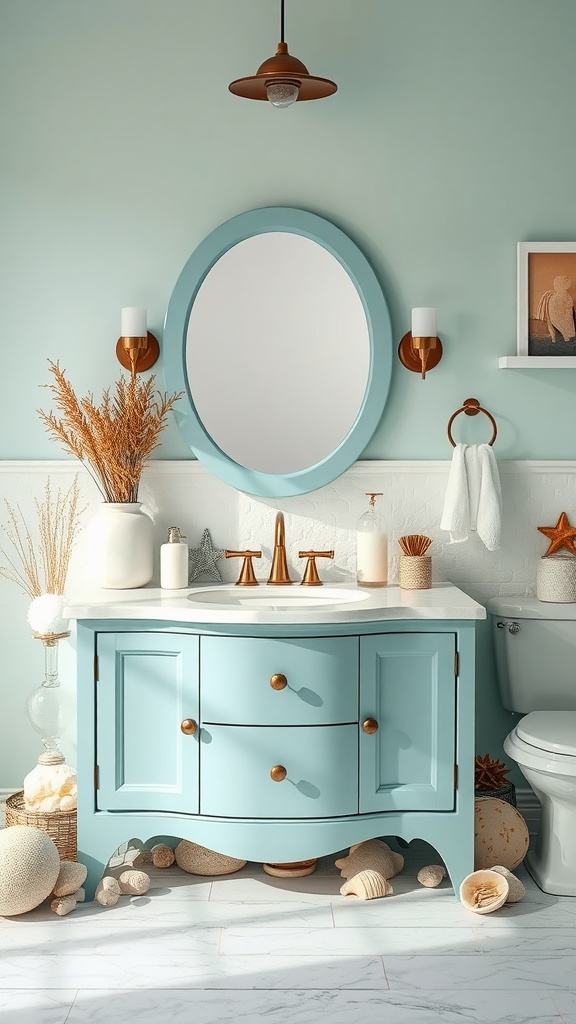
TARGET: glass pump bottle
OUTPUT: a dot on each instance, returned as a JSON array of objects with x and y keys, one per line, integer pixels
[{"x": 372, "y": 546}]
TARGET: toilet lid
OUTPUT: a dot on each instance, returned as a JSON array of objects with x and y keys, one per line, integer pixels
[{"x": 549, "y": 730}]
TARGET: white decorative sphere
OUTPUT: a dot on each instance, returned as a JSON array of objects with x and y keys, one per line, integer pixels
[{"x": 29, "y": 867}]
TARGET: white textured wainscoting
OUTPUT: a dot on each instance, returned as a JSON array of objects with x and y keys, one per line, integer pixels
[{"x": 184, "y": 494}]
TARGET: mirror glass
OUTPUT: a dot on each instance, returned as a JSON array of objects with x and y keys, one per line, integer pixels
[
  {"x": 279, "y": 335},
  {"x": 289, "y": 351}
]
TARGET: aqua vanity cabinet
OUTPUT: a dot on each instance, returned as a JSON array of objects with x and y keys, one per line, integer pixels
[{"x": 274, "y": 742}]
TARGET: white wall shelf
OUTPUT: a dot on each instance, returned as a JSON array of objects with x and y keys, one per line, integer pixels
[{"x": 537, "y": 362}]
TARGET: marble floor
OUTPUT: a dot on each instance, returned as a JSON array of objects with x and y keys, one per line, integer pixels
[{"x": 247, "y": 948}]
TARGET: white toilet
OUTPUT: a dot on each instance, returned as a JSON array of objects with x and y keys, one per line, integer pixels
[{"x": 535, "y": 646}]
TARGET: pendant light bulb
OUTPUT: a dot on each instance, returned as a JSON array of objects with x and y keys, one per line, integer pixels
[{"x": 282, "y": 94}]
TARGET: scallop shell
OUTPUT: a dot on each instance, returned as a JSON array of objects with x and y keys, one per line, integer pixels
[
  {"x": 431, "y": 875},
  {"x": 484, "y": 891},
  {"x": 367, "y": 885},
  {"x": 516, "y": 890}
]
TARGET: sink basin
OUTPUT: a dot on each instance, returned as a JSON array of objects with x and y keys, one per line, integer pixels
[{"x": 279, "y": 599}]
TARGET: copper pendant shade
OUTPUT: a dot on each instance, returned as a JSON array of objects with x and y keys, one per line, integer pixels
[{"x": 283, "y": 72}]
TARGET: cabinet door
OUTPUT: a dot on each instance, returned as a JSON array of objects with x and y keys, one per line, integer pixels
[
  {"x": 147, "y": 685},
  {"x": 408, "y": 686}
]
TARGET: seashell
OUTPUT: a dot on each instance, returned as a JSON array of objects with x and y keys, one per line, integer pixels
[
  {"x": 484, "y": 891},
  {"x": 198, "y": 860},
  {"x": 70, "y": 878},
  {"x": 108, "y": 891},
  {"x": 63, "y": 905},
  {"x": 500, "y": 834},
  {"x": 162, "y": 856},
  {"x": 367, "y": 885},
  {"x": 134, "y": 882},
  {"x": 516, "y": 890},
  {"x": 431, "y": 875},
  {"x": 374, "y": 855}
]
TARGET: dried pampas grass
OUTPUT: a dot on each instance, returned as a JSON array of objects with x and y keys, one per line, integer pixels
[
  {"x": 114, "y": 439},
  {"x": 40, "y": 565}
]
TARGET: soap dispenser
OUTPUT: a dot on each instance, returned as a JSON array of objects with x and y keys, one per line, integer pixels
[
  {"x": 372, "y": 546},
  {"x": 174, "y": 561}
]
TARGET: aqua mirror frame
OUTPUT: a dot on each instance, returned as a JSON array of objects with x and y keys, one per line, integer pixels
[{"x": 341, "y": 246}]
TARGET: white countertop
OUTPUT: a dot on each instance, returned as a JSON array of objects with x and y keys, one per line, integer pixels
[{"x": 266, "y": 605}]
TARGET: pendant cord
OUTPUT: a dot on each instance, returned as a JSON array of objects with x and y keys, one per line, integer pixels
[{"x": 282, "y": 40}]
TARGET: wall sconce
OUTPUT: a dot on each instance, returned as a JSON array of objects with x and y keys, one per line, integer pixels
[
  {"x": 421, "y": 348},
  {"x": 282, "y": 79},
  {"x": 137, "y": 349}
]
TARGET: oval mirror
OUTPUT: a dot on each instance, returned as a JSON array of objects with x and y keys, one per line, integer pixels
[{"x": 279, "y": 335}]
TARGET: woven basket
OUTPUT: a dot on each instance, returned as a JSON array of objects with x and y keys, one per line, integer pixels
[
  {"x": 415, "y": 572},
  {"x": 506, "y": 792},
  {"x": 59, "y": 825}
]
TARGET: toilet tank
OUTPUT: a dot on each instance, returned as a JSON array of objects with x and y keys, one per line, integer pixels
[{"x": 535, "y": 646}]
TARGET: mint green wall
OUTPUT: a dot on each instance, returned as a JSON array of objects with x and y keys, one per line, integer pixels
[{"x": 451, "y": 138}]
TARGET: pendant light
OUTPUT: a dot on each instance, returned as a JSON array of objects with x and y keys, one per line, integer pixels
[{"x": 282, "y": 79}]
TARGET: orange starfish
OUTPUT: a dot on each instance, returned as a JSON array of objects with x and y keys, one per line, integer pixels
[{"x": 561, "y": 536}]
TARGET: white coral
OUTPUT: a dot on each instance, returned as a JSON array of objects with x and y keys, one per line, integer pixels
[{"x": 45, "y": 614}]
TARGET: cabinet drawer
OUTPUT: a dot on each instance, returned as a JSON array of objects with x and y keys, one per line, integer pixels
[
  {"x": 321, "y": 771},
  {"x": 237, "y": 684}
]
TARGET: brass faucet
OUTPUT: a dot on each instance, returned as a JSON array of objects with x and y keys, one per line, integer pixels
[{"x": 279, "y": 568}]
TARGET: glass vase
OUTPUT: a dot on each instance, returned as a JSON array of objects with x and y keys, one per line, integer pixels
[{"x": 47, "y": 708}]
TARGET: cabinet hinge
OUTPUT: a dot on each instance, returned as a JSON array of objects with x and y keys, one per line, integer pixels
[
  {"x": 456, "y": 664},
  {"x": 96, "y": 776},
  {"x": 455, "y": 776}
]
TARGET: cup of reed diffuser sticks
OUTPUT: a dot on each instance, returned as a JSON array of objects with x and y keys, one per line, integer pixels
[{"x": 415, "y": 569}]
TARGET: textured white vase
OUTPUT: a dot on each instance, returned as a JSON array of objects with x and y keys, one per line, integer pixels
[{"x": 121, "y": 546}]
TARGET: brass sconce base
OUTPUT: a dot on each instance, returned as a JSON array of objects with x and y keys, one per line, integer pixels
[
  {"x": 419, "y": 357},
  {"x": 147, "y": 352}
]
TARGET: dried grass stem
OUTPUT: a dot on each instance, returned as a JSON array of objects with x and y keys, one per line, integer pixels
[
  {"x": 114, "y": 439},
  {"x": 42, "y": 568}
]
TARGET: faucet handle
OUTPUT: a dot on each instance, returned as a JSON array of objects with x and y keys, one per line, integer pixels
[
  {"x": 311, "y": 577},
  {"x": 246, "y": 577}
]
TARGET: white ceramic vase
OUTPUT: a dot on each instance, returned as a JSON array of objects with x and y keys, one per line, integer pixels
[{"x": 121, "y": 546}]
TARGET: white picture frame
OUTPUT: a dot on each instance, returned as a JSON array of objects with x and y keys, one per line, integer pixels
[{"x": 545, "y": 301}]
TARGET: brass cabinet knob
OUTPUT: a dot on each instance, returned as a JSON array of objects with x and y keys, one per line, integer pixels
[
  {"x": 278, "y": 681},
  {"x": 188, "y": 726},
  {"x": 370, "y": 726},
  {"x": 278, "y": 773}
]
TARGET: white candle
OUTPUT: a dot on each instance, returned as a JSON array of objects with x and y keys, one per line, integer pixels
[
  {"x": 134, "y": 322},
  {"x": 371, "y": 559},
  {"x": 424, "y": 322}
]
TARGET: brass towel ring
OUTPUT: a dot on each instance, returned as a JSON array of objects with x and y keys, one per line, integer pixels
[{"x": 471, "y": 407}]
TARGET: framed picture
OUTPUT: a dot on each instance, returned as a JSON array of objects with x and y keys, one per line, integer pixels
[{"x": 547, "y": 299}]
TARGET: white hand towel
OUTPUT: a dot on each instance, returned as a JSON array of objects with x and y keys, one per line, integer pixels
[
  {"x": 489, "y": 507},
  {"x": 456, "y": 514},
  {"x": 473, "y": 500}
]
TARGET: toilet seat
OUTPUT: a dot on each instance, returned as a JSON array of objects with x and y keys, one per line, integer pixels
[
  {"x": 536, "y": 754},
  {"x": 551, "y": 731}
]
